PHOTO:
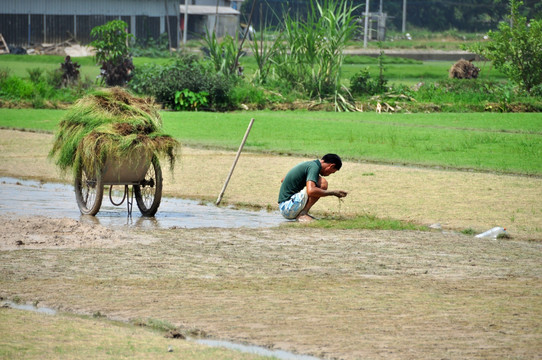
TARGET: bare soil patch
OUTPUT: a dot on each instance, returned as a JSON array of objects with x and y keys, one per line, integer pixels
[
  {"x": 46, "y": 233},
  {"x": 348, "y": 294}
]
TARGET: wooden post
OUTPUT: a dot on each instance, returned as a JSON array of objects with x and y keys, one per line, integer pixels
[
  {"x": 366, "y": 30},
  {"x": 234, "y": 162}
]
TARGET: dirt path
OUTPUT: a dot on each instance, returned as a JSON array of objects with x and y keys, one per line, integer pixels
[{"x": 349, "y": 294}]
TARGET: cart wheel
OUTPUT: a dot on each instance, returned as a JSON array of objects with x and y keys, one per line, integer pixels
[
  {"x": 149, "y": 193},
  {"x": 88, "y": 192}
]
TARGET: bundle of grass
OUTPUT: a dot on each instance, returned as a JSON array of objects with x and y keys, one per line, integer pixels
[
  {"x": 463, "y": 69},
  {"x": 110, "y": 123}
]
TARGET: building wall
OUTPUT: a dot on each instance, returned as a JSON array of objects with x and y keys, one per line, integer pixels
[
  {"x": 213, "y": 2},
  {"x": 226, "y": 3},
  {"x": 88, "y": 7},
  {"x": 227, "y": 25},
  {"x": 26, "y": 22}
]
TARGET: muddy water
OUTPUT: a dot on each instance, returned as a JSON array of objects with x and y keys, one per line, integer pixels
[
  {"x": 32, "y": 198},
  {"x": 28, "y": 307},
  {"x": 258, "y": 350}
]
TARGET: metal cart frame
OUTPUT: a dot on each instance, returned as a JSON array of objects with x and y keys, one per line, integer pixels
[{"x": 140, "y": 171}]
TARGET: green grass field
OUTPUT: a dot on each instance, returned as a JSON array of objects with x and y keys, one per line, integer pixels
[
  {"x": 19, "y": 65},
  {"x": 506, "y": 143},
  {"x": 395, "y": 70}
]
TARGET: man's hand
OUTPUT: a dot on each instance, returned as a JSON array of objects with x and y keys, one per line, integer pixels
[{"x": 340, "y": 193}]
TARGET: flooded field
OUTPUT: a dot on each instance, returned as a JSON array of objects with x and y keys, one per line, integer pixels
[{"x": 32, "y": 198}]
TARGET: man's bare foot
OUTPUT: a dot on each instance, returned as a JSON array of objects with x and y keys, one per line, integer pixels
[{"x": 305, "y": 218}]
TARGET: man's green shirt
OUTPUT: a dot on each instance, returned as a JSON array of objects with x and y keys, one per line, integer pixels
[{"x": 296, "y": 179}]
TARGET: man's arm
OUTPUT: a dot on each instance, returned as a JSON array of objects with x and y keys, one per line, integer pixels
[{"x": 315, "y": 191}]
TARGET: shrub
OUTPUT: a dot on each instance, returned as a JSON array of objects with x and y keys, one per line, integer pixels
[
  {"x": 45, "y": 92},
  {"x": 188, "y": 100},
  {"x": 15, "y": 88},
  {"x": 536, "y": 91},
  {"x": 362, "y": 84},
  {"x": 54, "y": 78},
  {"x": 34, "y": 74},
  {"x": 470, "y": 86},
  {"x": 146, "y": 79},
  {"x": 469, "y": 95},
  {"x": 219, "y": 88},
  {"x": 111, "y": 44},
  {"x": 4, "y": 73},
  {"x": 185, "y": 72},
  {"x": 246, "y": 93}
]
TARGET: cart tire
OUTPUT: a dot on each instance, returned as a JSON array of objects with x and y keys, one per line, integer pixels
[
  {"x": 149, "y": 193},
  {"x": 88, "y": 192}
]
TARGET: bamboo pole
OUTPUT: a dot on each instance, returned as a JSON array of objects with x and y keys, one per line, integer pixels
[{"x": 234, "y": 162}]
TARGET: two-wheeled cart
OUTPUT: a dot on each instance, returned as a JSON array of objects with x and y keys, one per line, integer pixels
[{"x": 141, "y": 171}]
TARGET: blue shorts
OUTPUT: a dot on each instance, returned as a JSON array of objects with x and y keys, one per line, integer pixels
[{"x": 293, "y": 206}]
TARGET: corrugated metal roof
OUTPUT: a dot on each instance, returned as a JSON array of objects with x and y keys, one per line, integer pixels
[{"x": 208, "y": 10}]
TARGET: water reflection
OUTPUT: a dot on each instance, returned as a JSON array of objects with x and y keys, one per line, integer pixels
[{"x": 32, "y": 198}]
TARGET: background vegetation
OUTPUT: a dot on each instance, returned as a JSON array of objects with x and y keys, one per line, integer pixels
[
  {"x": 304, "y": 65},
  {"x": 516, "y": 48},
  {"x": 432, "y": 15},
  {"x": 418, "y": 80}
]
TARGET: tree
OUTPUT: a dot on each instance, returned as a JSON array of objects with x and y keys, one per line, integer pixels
[
  {"x": 460, "y": 15},
  {"x": 516, "y": 48},
  {"x": 112, "y": 53}
]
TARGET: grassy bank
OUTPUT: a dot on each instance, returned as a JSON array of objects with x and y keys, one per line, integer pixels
[
  {"x": 31, "y": 335},
  {"x": 507, "y": 143}
]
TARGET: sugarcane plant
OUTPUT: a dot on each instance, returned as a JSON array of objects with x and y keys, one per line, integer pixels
[{"x": 312, "y": 52}]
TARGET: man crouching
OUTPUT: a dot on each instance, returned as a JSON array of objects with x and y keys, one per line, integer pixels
[{"x": 304, "y": 185}]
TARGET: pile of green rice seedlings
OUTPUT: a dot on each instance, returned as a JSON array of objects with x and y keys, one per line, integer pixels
[{"x": 110, "y": 123}]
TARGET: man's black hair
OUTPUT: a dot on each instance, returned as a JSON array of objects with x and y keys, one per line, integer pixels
[{"x": 333, "y": 159}]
